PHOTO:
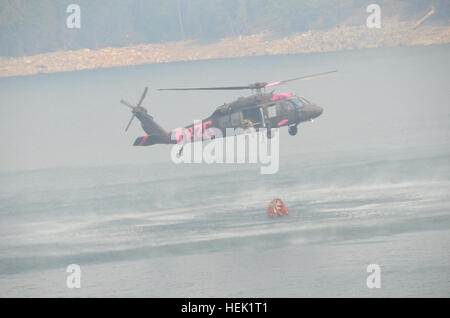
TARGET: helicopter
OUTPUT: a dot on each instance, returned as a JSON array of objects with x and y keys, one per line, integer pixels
[{"x": 257, "y": 111}]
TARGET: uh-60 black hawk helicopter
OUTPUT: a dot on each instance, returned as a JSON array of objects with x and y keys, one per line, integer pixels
[{"x": 260, "y": 110}]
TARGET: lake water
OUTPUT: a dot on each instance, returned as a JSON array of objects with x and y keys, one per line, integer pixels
[{"x": 366, "y": 183}]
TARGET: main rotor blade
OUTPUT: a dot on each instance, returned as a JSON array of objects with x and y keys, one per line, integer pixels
[
  {"x": 251, "y": 86},
  {"x": 126, "y": 104},
  {"x": 307, "y": 77},
  {"x": 205, "y": 88},
  {"x": 142, "y": 97},
  {"x": 129, "y": 123}
]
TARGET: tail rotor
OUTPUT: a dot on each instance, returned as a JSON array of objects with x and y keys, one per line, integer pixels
[{"x": 135, "y": 109}]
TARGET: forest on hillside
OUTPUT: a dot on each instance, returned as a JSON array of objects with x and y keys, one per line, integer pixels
[{"x": 33, "y": 27}]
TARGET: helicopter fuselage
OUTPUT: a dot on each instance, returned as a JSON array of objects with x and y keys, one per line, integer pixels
[{"x": 264, "y": 110}]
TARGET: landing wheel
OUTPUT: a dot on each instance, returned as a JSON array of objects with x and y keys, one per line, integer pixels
[{"x": 292, "y": 130}]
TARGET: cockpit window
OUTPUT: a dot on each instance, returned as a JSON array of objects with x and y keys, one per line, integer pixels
[
  {"x": 304, "y": 100},
  {"x": 296, "y": 102}
]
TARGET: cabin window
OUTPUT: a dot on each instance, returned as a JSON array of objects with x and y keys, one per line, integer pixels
[
  {"x": 236, "y": 119},
  {"x": 272, "y": 111},
  {"x": 224, "y": 121}
]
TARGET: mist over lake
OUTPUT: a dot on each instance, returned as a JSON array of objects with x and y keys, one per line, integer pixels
[{"x": 366, "y": 183}]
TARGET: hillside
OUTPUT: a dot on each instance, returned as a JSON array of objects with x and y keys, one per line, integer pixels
[{"x": 402, "y": 24}]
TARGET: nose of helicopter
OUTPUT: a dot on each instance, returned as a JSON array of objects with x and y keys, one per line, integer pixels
[
  {"x": 313, "y": 111},
  {"x": 316, "y": 110}
]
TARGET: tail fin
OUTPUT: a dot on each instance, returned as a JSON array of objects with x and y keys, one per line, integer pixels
[{"x": 155, "y": 133}]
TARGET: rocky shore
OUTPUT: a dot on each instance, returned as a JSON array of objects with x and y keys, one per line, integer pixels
[{"x": 391, "y": 33}]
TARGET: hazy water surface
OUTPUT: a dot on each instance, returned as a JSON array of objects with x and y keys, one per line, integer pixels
[{"x": 367, "y": 182}]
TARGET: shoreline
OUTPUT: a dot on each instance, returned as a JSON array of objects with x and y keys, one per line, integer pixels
[{"x": 342, "y": 38}]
